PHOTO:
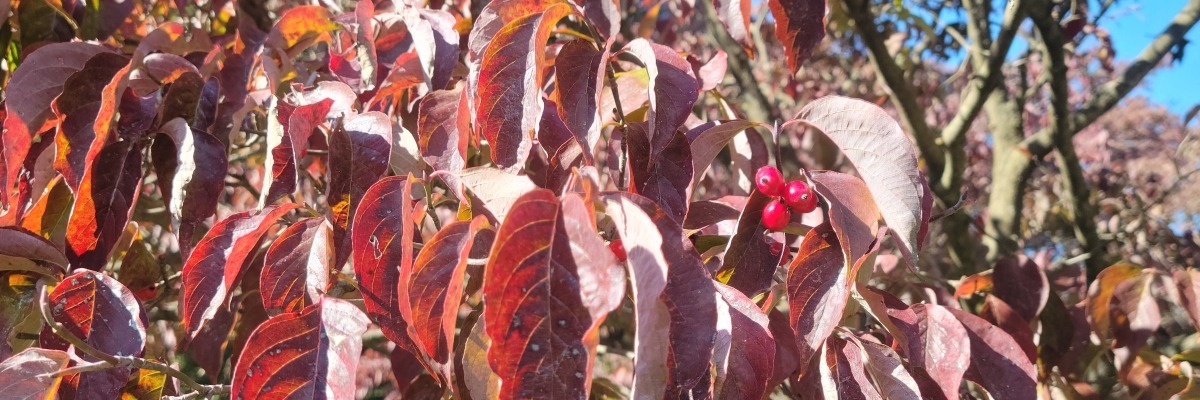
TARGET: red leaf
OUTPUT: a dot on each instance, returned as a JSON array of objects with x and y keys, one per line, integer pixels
[
  {"x": 21, "y": 250},
  {"x": 296, "y": 268},
  {"x": 436, "y": 288},
  {"x": 190, "y": 167},
  {"x": 308, "y": 355},
  {"x": 444, "y": 129},
  {"x": 359, "y": 149},
  {"x": 749, "y": 264},
  {"x": 852, "y": 214},
  {"x": 39, "y": 80},
  {"x": 817, "y": 291},
  {"x": 579, "y": 73},
  {"x": 105, "y": 200},
  {"x": 604, "y": 15},
  {"x": 673, "y": 90},
  {"x": 382, "y": 247},
  {"x": 1021, "y": 284},
  {"x": 750, "y": 348},
  {"x": 216, "y": 265},
  {"x": 508, "y": 102},
  {"x": 881, "y": 152},
  {"x": 533, "y": 287},
  {"x": 938, "y": 348},
  {"x": 103, "y": 313},
  {"x": 842, "y": 371},
  {"x": 999, "y": 313},
  {"x": 997, "y": 362},
  {"x": 665, "y": 177},
  {"x": 78, "y": 109},
  {"x": 800, "y": 25},
  {"x": 1188, "y": 282},
  {"x": 30, "y": 373},
  {"x": 708, "y": 140},
  {"x": 682, "y": 294},
  {"x": 887, "y": 371},
  {"x": 288, "y": 129},
  {"x": 735, "y": 14}
]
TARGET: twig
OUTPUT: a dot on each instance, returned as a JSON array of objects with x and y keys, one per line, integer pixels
[
  {"x": 110, "y": 361},
  {"x": 612, "y": 85}
]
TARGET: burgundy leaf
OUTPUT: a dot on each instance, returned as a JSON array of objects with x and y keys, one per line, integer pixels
[
  {"x": 21, "y": 250},
  {"x": 436, "y": 288},
  {"x": 665, "y": 177},
  {"x": 673, "y": 89},
  {"x": 1000, "y": 313},
  {"x": 817, "y": 291},
  {"x": 103, "y": 313},
  {"x": 749, "y": 264},
  {"x": 382, "y": 246},
  {"x": 191, "y": 167},
  {"x": 215, "y": 267},
  {"x": 359, "y": 150},
  {"x": 800, "y": 25},
  {"x": 852, "y": 214},
  {"x": 711, "y": 73},
  {"x": 312, "y": 354},
  {"x": 1021, "y": 284},
  {"x": 579, "y": 71},
  {"x": 842, "y": 371},
  {"x": 78, "y": 109},
  {"x": 938, "y": 348},
  {"x": 735, "y": 14},
  {"x": 707, "y": 140},
  {"x": 296, "y": 268},
  {"x": 997, "y": 362},
  {"x": 39, "y": 80},
  {"x": 30, "y": 373},
  {"x": 508, "y": 98},
  {"x": 887, "y": 372},
  {"x": 604, "y": 15},
  {"x": 750, "y": 351},
  {"x": 444, "y": 129},
  {"x": 879, "y": 149},
  {"x": 104, "y": 202},
  {"x": 288, "y": 129},
  {"x": 1188, "y": 282},
  {"x": 533, "y": 300}
]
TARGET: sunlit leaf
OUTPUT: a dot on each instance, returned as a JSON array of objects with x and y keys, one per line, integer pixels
[
  {"x": 938, "y": 348},
  {"x": 359, "y": 150},
  {"x": 312, "y": 354},
  {"x": 817, "y": 291},
  {"x": 800, "y": 26},
  {"x": 296, "y": 267},
  {"x": 105, "y": 200},
  {"x": 103, "y": 313},
  {"x": 735, "y": 14},
  {"x": 382, "y": 246},
  {"x": 997, "y": 362},
  {"x": 673, "y": 89},
  {"x": 436, "y": 287},
  {"x": 30, "y": 373},
  {"x": 750, "y": 352}
]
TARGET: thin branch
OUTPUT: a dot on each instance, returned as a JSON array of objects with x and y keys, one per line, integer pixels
[
  {"x": 987, "y": 70},
  {"x": 903, "y": 94},
  {"x": 612, "y": 85},
  {"x": 111, "y": 361},
  {"x": 1108, "y": 95}
]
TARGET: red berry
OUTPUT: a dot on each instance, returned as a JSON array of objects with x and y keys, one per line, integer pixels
[
  {"x": 769, "y": 181},
  {"x": 800, "y": 197},
  {"x": 775, "y": 215},
  {"x": 618, "y": 249}
]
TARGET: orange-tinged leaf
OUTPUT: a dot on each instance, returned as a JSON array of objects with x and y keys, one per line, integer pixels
[
  {"x": 1100, "y": 295},
  {"x": 296, "y": 268},
  {"x": 312, "y": 354},
  {"x": 30, "y": 373},
  {"x": 105, "y": 200},
  {"x": 508, "y": 101},
  {"x": 436, "y": 288},
  {"x": 538, "y": 316},
  {"x": 301, "y": 23},
  {"x": 145, "y": 384},
  {"x": 48, "y": 216},
  {"x": 216, "y": 265},
  {"x": 78, "y": 110},
  {"x": 800, "y": 25},
  {"x": 817, "y": 291},
  {"x": 974, "y": 284}
]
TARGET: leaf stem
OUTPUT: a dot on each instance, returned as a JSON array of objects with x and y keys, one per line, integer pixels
[{"x": 612, "y": 85}]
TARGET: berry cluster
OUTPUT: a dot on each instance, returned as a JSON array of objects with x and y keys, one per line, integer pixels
[{"x": 793, "y": 196}]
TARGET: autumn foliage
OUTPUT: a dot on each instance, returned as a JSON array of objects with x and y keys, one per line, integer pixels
[{"x": 495, "y": 200}]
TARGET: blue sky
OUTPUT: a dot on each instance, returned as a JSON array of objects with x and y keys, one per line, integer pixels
[{"x": 1133, "y": 23}]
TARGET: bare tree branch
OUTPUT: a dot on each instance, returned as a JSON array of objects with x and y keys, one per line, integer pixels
[
  {"x": 987, "y": 73},
  {"x": 1112, "y": 92}
]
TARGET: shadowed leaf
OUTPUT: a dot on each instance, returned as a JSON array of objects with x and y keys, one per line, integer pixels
[
  {"x": 436, "y": 288},
  {"x": 708, "y": 140},
  {"x": 104, "y": 314},
  {"x": 106, "y": 198},
  {"x": 1022, "y": 284},
  {"x": 997, "y": 362},
  {"x": 673, "y": 90},
  {"x": 800, "y": 26},
  {"x": 665, "y": 178},
  {"x": 288, "y": 130},
  {"x": 852, "y": 214},
  {"x": 751, "y": 349},
  {"x": 21, "y": 250},
  {"x": 817, "y": 291},
  {"x": 444, "y": 129},
  {"x": 190, "y": 166},
  {"x": 30, "y": 373},
  {"x": 749, "y": 264},
  {"x": 579, "y": 72},
  {"x": 937, "y": 348},
  {"x": 359, "y": 150},
  {"x": 842, "y": 370}
]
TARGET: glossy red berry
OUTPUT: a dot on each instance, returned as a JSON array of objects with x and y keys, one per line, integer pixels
[
  {"x": 769, "y": 181},
  {"x": 618, "y": 249},
  {"x": 775, "y": 215},
  {"x": 800, "y": 197}
]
